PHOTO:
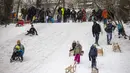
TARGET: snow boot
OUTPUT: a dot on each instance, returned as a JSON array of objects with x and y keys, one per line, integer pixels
[{"x": 125, "y": 37}]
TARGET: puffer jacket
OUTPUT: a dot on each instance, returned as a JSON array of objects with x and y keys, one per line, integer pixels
[
  {"x": 104, "y": 13},
  {"x": 78, "y": 49}
]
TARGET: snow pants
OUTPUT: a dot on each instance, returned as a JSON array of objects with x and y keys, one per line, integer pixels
[
  {"x": 77, "y": 58},
  {"x": 93, "y": 64}
]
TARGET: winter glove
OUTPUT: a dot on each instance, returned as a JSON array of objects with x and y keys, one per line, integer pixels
[{"x": 89, "y": 59}]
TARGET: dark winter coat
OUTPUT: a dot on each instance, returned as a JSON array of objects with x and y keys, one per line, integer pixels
[
  {"x": 33, "y": 31},
  {"x": 109, "y": 28},
  {"x": 96, "y": 29},
  {"x": 42, "y": 15},
  {"x": 24, "y": 11},
  {"x": 68, "y": 13},
  {"x": 99, "y": 14},
  {"x": 94, "y": 13},
  {"x": 93, "y": 52},
  {"x": 31, "y": 12},
  {"x": 65, "y": 13},
  {"x": 59, "y": 10},
  {"x": 73, "y": 14},
  {"x": 59, "y": 17},
  {"x": 79, "y": 14}
]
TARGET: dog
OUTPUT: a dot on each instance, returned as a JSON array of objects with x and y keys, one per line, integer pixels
[
  {"x": 95, "y": 70},
  {"x": 70, "y": 69},
  {"x": 116, "y": 47}
]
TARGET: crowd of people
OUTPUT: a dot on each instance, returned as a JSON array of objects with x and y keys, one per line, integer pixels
[{"x": 35, "y": 15}]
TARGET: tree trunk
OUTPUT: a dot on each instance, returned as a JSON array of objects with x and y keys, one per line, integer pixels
[
  {"x": 7, "y": 8},
  {"x": 84, "y": 4},
  {"x": 56, "y": 8},
  {"x": 63, "y": 3},
  {"x": 18, "y": 9},
  {"x": 38, "y": 3},
  {"x": 124, "y": 11}
]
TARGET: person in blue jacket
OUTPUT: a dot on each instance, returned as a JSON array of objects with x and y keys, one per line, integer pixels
[
  {"x": 93, "y": 55},
  {"x": 109, "y": 29}
]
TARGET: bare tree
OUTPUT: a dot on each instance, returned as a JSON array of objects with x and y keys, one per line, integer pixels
[
  {"x": 18, "y": 9},
  {"x": 38, "y": 3},
  {"x": 6, "y": 8}
]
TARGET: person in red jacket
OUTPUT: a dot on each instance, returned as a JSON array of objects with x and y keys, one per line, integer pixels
[
  {"x": 104, "y": 15},
  {"x": 84, "y": 15}
]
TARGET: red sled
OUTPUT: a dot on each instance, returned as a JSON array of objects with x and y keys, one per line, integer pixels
[{"x": 20, "y": 23}]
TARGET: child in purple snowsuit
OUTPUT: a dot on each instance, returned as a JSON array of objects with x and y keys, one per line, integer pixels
[{"x": 77, "y": 52}]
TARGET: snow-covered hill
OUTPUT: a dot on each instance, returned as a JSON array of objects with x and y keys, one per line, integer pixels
[{"x": 48, "y": 52}]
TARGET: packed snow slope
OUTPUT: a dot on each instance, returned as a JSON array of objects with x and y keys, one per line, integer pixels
[{"x": 49, "y": 51}]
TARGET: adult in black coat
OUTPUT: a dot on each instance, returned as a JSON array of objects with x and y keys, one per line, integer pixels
[
  {"x": 99, "y": 15},
  {"x": 42, "y": 15},
  {"x": 68, "y": 14},
  {"x": 79, "y": 15},
  {"x": 59, "y": 10},
  {"x": 24, "y": 12},
  {"x": 32, "y": 31},
  {"x": 93, "y": 55},
  {"x": 73, "y": 15},
  {"x": 31, "y": 12},
  {"x": 96, "y": 29},
  {"x": 65, "y": 15}
]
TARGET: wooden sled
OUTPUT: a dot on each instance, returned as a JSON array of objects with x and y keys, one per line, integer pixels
[
  {"x": 70, "y": 69},
  {"x": 115, "y": 47},
  {"x": 95, "y": 70}
]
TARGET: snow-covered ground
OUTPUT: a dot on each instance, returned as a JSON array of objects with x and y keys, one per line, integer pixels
[{"x": 48, "y": 52}]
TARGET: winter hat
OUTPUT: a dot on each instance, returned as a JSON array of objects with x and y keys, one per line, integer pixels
[{"x": 18, "y": 42}]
